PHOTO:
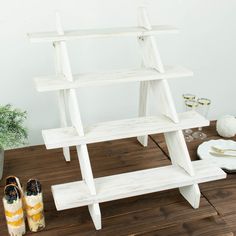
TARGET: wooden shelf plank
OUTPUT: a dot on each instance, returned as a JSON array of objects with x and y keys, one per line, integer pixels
[
  {"x": 112, "y": 130},
  {"x": 51, "y": 83},
  {"x": 76, "y": 194},
  {"x": 98, "y": 33}
]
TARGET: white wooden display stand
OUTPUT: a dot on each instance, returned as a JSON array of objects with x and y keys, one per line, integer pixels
[{"x": 182, "y": 174}]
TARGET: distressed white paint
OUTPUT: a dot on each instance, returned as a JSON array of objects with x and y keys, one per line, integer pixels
[
  {"x": 87, "y": 176},
  {"x": 112, "y": 130},
  {"x": 53, "y": 83},
  {"x": 178, "y": 150},
  {"x": 163, "y": 98},
  {"x": 98, "y": 33},
  {"x": 76, "y": 194},
  {"x": 150, "y": 53},
  {"x": 69, "y": 96},
  {"x": 95, "y": 214},
  {"x": 150, "y": 59},
  {"x": 205, "y": 45},
  {"x": 192, "y": 194},
  {"x": 61, "y": 94},
  {"x": 143, "y": 107},
  {"x": 181, "y": 174}
]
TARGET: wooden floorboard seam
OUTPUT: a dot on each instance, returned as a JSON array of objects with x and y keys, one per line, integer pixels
[{"x": 210, "y": 203}]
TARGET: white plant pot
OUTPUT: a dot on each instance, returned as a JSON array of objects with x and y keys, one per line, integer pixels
[{"x": 1, "y": 162}]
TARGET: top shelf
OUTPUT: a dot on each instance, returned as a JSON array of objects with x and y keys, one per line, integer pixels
[{"x": 100, "y": 33}]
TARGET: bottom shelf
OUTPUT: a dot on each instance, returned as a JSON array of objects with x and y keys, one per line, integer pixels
[{"x": 76, "y": 194}]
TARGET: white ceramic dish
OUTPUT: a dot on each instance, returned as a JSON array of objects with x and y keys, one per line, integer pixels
[{"x": 227, "y": 163}]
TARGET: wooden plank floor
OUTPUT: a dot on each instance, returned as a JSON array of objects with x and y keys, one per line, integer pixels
[{"x": 163, "y": 213}]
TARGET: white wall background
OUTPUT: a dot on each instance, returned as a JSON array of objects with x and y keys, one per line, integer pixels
[{"x": 206, "y": 44}]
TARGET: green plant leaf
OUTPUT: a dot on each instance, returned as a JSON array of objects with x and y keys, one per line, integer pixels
[{"x": 13, "y": 133}]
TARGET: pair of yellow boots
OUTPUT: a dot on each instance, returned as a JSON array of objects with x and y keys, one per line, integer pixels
[{"x": 18, "y": 203}]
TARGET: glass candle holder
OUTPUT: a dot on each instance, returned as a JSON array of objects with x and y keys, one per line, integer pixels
[
  {"x": 34, "y": 205},
  {"x": 13, "y": 207}
]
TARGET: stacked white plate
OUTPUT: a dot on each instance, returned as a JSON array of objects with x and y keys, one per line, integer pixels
[{"x": 227, "y": 163}]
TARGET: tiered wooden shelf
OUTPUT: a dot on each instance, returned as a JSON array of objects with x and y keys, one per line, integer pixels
[
  {"x": 76, "y": 194},
  {"x": 152, "y": 76},
  {"x": 98, "y": 33},
  {"x": 64, "y": 137},
  {"x": 54, "y": 83}
]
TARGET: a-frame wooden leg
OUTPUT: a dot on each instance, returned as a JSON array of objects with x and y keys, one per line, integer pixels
[
  {"x": 61, "y": 96},
  {"x": 143, "y": 99},
  {"x": 149, "y": 60},
  {"x": 95, "y": 214},
  {"x": 178, "y": 151},
  {"x": 87, "y": 176},
  {"x": 74, "y": 113},
  {"x": 175, "y": 140},
  {"x": 66, "y": 153},
  {"x": 179, "y": 156},
  {"x": 164, "y": 99},
  {"x": 192, "y": 194},
  {"x": 176, "y": 144}
]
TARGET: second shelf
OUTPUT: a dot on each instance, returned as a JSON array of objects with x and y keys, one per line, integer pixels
[
  {"x": 112, "y": 130},
  {"x": 53, "y": 83}
]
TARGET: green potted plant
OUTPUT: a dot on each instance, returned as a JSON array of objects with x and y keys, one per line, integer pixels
[{"x": 12, "y": 130}]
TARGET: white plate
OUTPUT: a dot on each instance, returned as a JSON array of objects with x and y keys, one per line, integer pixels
[{"x": 228, "y": 163}]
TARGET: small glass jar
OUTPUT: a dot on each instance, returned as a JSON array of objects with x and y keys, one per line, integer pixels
[{"x": 34, "y": 206}]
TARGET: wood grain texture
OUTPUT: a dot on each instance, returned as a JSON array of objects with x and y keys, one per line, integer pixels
[
  {"x": 214, "y": 226},
  {"x": 150, "y": 59},
  {"x": 192, "y": 146},
  {"x": 76, "y": 194},
  {"x": 61, "y": 96},
  {"x": 163, "y": 213},
  {"x": 60, "y": 82},
  {"x": 136, "y": 183},
  {"x": 221, "y": 194},
  {"x": 63, "y": 137},
  {"x": 150, "y": 53},
  {"x": 63, "y": 63},
  {"x": 98, "y": 33},
  {"x": 143, "y": 107},
  {"x": 163, "y": 97},
  {"x": 87, "y": 176}
]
